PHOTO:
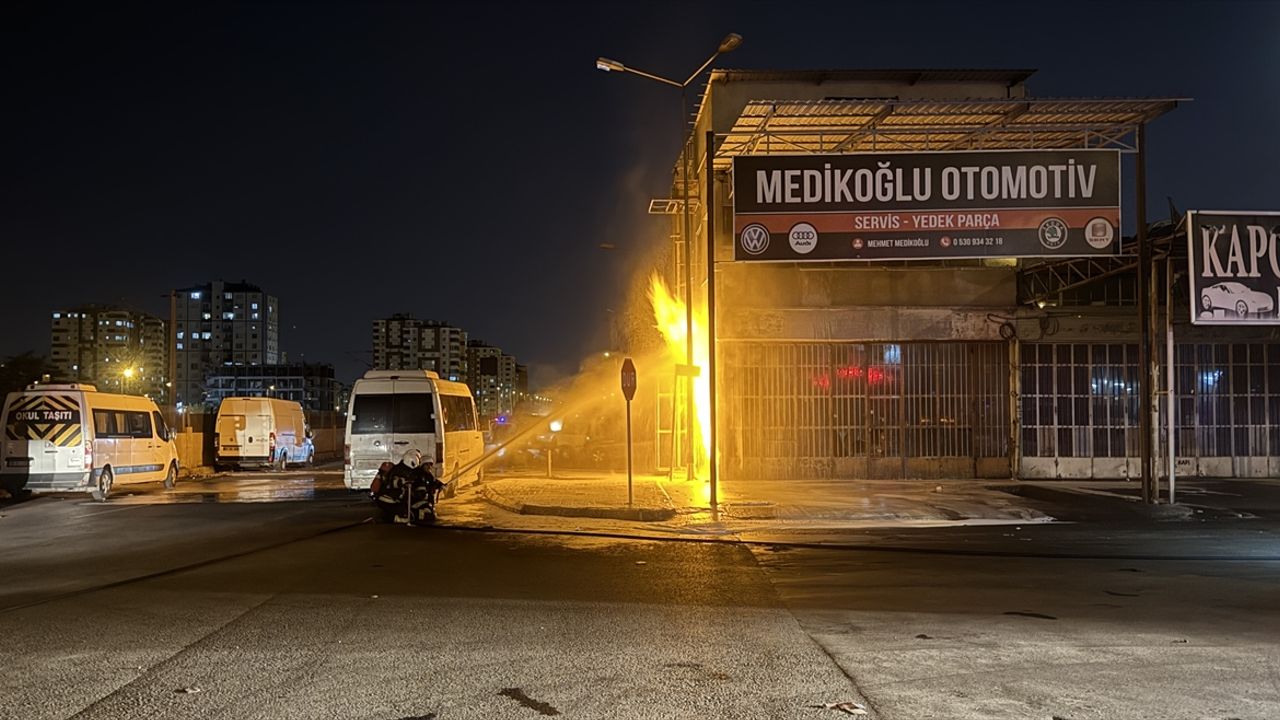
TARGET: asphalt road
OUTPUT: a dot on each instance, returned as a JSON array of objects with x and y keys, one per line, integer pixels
[{"x": 269, "y": 596}]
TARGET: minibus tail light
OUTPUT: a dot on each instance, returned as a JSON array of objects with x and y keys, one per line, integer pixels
[{"x": 88, "y": 454}]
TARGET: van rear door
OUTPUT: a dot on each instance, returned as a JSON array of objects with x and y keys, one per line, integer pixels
[
  {"x": 230, "y": 432},
  {"x": 413, "y": 425},
  {"x": 370, "y": 436},
  {"x": 44, "y": 434},
  {"x": 261, "y": 427}
]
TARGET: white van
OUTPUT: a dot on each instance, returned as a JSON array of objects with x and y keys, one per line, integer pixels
[
  {"x": 395, "y": 411},
  {"x": 72, "y": 437},
  {"x": 257, "y": 431}
]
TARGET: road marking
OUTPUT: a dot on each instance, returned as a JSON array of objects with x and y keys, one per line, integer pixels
[{"x": 104, "y": 512}]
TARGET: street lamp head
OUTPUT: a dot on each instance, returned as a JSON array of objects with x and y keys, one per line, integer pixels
[
  {"x": 608, "y": 65},
  {"x": 730, "y": 43}
]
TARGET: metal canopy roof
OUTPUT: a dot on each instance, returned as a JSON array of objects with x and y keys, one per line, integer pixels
[
  {"x": 768, "y": 127},
  {"x": 910, "y": 76}
]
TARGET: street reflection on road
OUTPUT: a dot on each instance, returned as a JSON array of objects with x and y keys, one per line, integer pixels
[{"x": 288, "y": 486}]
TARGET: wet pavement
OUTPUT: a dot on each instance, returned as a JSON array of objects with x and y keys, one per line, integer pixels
[
  {"x": 283, "y": 486},
  {"x": 272, "y": 595}
]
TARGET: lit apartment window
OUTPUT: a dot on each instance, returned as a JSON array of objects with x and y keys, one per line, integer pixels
[
  {"x": 207, "y": 335},
  {"x": 228, "y": 316},
  {"x": 226, "y": 296},
  {"x": 57, "y": 316},
  {"x": 180, "y": 334},
  {"x": 253, "y": 306},
  {"x": 195, "y": 296},
  {"x": 207, "y": 316}
]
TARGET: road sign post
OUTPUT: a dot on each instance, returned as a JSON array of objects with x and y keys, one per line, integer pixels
[{"x": 629, "y": 392}]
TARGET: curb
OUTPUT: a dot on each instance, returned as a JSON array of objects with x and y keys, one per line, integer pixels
[
  {"x": 600, "y": 512},
  {"x": 1160, "y": 512}
]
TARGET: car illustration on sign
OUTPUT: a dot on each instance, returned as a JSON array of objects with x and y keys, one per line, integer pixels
[{"x": 1235, "y": 297}]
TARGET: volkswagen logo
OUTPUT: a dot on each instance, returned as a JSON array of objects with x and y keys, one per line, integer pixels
[{"x": 755, "y": 239}]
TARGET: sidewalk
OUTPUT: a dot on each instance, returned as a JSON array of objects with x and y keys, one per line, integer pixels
[
  {"x": 583, "y": 494},
  {"x": 840, "y": 503},
  {"x": 867, "y": 503}
]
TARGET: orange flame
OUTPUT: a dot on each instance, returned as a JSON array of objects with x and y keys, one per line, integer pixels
[{"x": 669, "y": 316}]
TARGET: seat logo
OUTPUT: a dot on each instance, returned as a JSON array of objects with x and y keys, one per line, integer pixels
[
  {"x": 1099, "y": 233},
  {"x": 755, "y": 239}
]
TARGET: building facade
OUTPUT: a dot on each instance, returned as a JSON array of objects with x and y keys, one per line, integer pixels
[
  {"x": 494, "y": 379},
  {"x": 313, "y": 385},
  {"x": 935, "y": 368},
  {"x": 403, "y": 342},
  {"x": 220, "y": 325},
  {"x": 116, "y": 349}
]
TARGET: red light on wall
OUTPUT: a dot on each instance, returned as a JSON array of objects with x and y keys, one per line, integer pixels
[
  {"x": 875, "y": 375},
  {"x": 850, "y": 371},
  {"x": 822, "y": 381}
]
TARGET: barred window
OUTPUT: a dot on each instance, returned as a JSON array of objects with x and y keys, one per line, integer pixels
[{"x": 800, "y": 407}]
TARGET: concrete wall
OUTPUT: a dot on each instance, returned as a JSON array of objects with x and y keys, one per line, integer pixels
[{"x": 195, "y": 449}]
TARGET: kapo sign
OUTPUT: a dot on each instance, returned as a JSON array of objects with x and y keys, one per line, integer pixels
[{"x": 1234, "y": 265}]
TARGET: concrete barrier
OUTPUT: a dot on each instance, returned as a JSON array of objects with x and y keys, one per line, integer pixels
[{"x": 195, "y": 449}]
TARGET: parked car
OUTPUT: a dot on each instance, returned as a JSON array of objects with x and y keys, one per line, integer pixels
[
  {"x": 62, "y": 437},
  {"x": 1235, "y": 297}
]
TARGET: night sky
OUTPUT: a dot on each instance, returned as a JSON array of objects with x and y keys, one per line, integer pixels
[{"x": 465, "y": 163}]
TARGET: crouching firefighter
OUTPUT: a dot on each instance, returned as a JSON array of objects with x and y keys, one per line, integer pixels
[{"x": 406, "y": 492}]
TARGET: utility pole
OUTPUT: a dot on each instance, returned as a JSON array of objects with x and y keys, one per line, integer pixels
[
  {"x": 687, "y": 139},
  {"x": 1146, "y": 386},
  {"x": 712, "y": 464},
  {"x": 171, "y": 348}
]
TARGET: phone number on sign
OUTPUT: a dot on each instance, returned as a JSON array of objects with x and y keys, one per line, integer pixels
[{"x": 977, "y": 241}]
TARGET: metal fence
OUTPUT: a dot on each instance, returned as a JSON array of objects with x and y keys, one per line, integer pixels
[
  {"x": 1081, "y": 400},
  {"x": 876, "y": 410}
]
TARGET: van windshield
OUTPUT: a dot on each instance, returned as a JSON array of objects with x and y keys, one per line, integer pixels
[{"x": 408, "y": 413}]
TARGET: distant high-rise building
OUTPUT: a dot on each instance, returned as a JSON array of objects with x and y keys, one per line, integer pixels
[
  {"x": 310, "y": 384},
  {"x": 493, "y": 377},
  {"x": 403, "y": 342},
  {"x": 221, "y": 324},
  {"x": 116, "y": 349},
  {"x": 522, "y": 383}
]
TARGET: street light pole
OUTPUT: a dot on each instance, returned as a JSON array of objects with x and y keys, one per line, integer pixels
[
  {"x": 688, "y": 287},
  {"x": 728, "y": 44}
]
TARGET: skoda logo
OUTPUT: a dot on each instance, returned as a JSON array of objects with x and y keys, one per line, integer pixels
[
  {"x": 755, "y": 239},
  {"x": 1053, "y": 233}
]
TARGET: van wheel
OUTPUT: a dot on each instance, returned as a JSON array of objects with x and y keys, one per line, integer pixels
[
  {"x": 283, "y": 461},
  {"x": 103, "y": 488},
  {"x": 171, "y": 479},
  {"x": 311, "y": 459}
]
